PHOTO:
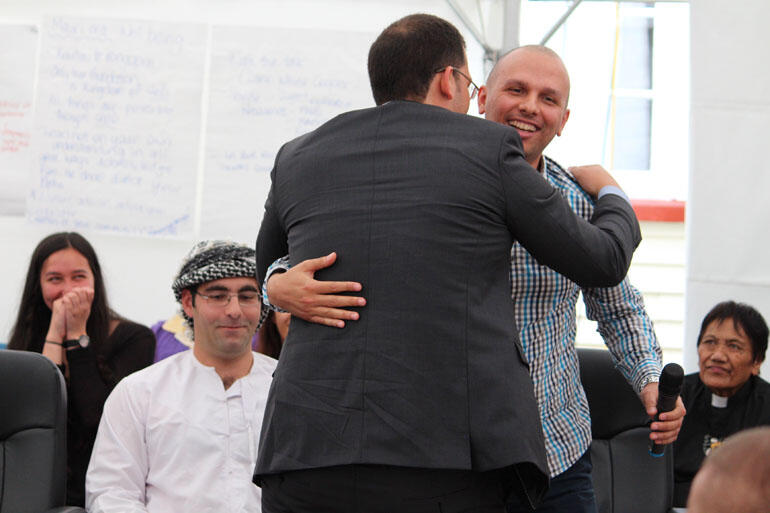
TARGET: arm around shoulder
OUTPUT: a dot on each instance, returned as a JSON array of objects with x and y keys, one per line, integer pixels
[
  {"x": 615, "y": 211},
  {"x": 592, "y": 255}
]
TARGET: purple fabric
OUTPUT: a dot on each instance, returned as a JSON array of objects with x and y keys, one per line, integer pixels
[{"x": 167, "y": 344}]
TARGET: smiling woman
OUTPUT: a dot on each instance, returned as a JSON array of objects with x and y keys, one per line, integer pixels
[
  {"x": 64, "y": 315},
  {"x": 726, "y": 395}
]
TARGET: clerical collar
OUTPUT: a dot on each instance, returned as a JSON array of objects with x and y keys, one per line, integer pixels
[
  {"x": 738, "y": 397},
  {"x": 717, "y": 401}
]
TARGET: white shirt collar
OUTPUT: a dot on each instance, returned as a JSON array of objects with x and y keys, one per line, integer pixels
[{"x": 717, "y": 401}]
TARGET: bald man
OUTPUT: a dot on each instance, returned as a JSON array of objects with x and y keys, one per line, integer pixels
[
  {"x": 529, "y": 89},
  {"x": 735, "y": 477}
]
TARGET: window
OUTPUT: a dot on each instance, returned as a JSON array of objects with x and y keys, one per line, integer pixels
[
  {"x": 632, "y": 95},
  {"x": 629, "y": 71}
]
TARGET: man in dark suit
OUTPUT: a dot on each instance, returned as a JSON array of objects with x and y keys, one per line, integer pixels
[{"x": 425, "y": 404}]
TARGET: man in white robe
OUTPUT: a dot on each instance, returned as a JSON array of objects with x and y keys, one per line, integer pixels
[{"x": 182, "y": 434}]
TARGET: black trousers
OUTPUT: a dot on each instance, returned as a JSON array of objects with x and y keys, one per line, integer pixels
[{"x": 385, "y": 489}]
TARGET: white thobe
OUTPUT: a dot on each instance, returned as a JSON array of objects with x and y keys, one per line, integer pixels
[{"x": 171, "y": 438}]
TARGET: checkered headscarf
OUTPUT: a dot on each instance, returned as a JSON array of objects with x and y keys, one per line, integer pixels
[{"x": 213, "y": 260}]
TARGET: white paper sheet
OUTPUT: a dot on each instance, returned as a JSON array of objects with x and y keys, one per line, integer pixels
[
  {"x": 18, "y": 49},
  {"x": 117, "y": 126},
  {"x": 266, "y": 87}
]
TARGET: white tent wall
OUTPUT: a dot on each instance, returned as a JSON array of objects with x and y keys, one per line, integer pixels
[
  {"x": 727, "y": 245},
  {"x": 139, "y": 270}
]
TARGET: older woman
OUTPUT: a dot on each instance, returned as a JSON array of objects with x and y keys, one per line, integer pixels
[{"x": 727, "y": 394}]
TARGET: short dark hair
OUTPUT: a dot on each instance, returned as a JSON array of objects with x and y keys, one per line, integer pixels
[
  {"x": 746, "y": 319},
  {"x": 406, "y": 55}
]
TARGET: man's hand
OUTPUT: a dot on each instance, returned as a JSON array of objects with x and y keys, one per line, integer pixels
[
  {"x": 592, "y": 178},
  {"x": 666, "y": 429},
  {"x": 300, "y": 293}
]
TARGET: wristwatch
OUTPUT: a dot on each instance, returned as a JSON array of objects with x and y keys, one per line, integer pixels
[
  {"x": 646, "y": 381},
  {"x": 81, "y": 342}
]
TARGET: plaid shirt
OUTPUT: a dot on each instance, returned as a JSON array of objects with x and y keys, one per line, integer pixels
[{"x": 545, "y": 308}]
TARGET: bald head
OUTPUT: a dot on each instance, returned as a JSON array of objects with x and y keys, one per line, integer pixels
[
  {"x": 508, "y": 60},
  {"x": 735, "y": 477},
  {"x": 528, "y": 89}
]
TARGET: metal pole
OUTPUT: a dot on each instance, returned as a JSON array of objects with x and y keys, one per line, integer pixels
[
  {"x": 511, "y": 16},
  {"x": 560, "y": 22},
  {"x": 468, "y": 25}
]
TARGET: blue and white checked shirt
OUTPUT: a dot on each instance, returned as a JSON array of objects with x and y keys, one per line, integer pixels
[{"x": 545, "y": 308}]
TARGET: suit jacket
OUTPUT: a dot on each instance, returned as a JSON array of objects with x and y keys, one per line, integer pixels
[{"x": 422, "y": 206}]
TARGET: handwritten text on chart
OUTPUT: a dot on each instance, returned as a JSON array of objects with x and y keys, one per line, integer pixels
[
  {"x": 118, "y": 108},
  {"x": 12, "y": 116},
  {"x": 275, "y": 94}
]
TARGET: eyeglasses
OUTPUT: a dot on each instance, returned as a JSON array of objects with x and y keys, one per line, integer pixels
[
  {"x": 473, "y": 89},
  {"x": 247, "y": 298}
]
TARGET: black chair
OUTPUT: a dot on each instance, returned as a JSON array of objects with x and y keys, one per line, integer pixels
[
  {"x": 33, "y": 422},
  {"x": 627, "y": 479}
]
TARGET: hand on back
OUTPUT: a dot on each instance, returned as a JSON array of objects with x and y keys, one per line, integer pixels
[{"x": 300, "y": 293}]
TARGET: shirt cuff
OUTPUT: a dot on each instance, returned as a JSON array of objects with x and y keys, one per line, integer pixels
[
  {"x": 279, "y": 266},
  {"x": 647, "y": 372},
  {"x": 612, "y": 189}
]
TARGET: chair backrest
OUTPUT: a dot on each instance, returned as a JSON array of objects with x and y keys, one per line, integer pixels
[
  {"x": 33, "y": 422},
  {"x": 627, "y": 479}
]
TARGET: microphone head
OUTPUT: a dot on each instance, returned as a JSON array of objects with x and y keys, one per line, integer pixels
[{"x": 671, "y": 379}]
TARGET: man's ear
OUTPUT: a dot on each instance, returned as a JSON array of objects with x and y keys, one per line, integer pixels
[
  {"x": 187, "y": 302},
  {"x": 447, "y": 83},
  {"x": 482, "y": 100},
  {"x": 564, "y": 119}
]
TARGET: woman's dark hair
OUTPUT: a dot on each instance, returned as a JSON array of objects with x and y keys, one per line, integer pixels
[
  {"x": 34, "y": 316},
  {"x": 269, "y": 337},
  {"x": 746, "y": 319}
]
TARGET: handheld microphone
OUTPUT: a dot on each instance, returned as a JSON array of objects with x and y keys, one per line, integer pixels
[{"x": 669, "y": 388}]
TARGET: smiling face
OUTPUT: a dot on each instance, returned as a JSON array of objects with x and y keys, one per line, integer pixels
[
  {"x": 528, "y": 90},
  {"x": 726, "y": 357},
  {"x": 62, "y": 271},
  {"x": 222, "y": 332}
]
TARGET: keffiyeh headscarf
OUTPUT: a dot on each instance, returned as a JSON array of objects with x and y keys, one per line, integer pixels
[{"x": 213, "y": 260}]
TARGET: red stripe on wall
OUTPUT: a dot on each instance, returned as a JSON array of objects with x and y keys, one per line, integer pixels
[{"x": 657, "y": 210}]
